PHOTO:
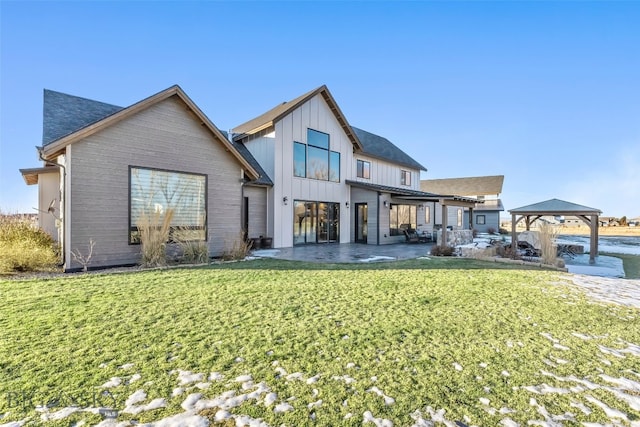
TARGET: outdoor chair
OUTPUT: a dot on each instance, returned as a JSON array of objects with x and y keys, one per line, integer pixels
[{"x": 411, "y": 236}]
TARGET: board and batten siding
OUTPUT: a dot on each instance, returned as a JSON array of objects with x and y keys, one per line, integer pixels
[
  {"x": 313, "y": 114},
  {"x": 385, "y": 173},
  {"x": 164, "y": 136}
]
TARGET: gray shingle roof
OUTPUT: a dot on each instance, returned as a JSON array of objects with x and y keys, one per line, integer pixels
[
  {"x": 555, "y": 206},
  {"x": 406, "y": 192},
  {"x": 65, "y": 114},
  {"x": 469, "y": 186},
  {"x": 377, "y": 146}
]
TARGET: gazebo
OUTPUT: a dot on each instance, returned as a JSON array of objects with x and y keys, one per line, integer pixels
[{"x": 555, "y": 207}]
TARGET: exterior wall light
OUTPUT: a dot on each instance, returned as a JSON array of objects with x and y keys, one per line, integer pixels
[
  {"x": 285, "y": 200},
  {"x": 346, "y": 204}
]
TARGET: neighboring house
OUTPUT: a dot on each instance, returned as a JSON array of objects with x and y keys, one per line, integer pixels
[
  {"x": 332, "y": 182},
  {"x": 106, "y": 166},
  {"x": 298, "y": 174},
  {"x": 485, "y": 215}
]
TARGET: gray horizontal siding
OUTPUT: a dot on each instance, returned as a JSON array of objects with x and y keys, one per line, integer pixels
[{"x": 164, "y": 136}]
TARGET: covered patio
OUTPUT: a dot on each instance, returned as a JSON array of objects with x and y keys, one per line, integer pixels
[{"x": 556, "y": 207}]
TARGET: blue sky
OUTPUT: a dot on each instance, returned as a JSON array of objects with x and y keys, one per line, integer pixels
[{"x": 546, "y": 93}]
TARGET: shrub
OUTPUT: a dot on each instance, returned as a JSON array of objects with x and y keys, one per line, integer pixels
[
  {"x": 474, "y": 233},
  {"x": 506, "y": 251},
  {"x": 193, "y": 251},
  {"x": 503, "y": 231},
  {"x": 438, "y": 250},
  {"x": 25, "y": 247},
  {"x": 238, "y": 250},
  {"x": 491, "y": 230},
  {"x": 153, "y": 230}
]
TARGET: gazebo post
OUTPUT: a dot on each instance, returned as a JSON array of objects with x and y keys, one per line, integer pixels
[
  {"x": 593, "y": 250},
  {"x": 514, "y": 238},
  {"x": 444, "y": 225}
]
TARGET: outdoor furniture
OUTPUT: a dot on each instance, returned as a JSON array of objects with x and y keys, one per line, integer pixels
[{"x": 411, "y": 236}]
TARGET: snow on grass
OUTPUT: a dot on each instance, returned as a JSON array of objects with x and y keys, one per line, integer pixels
[
  {"x": 313, "y": 380},
  {"x": 375, "y": 258},
  {"x": 379, "y": 422},
  {"x": 60, "y": 414},
  {"x": 113, "y": 382},
  {"x": 283, "y": 407},
  {"x": 346, "y": 378},
  {"x": 190, "y": 402},
  {"x": 188, "y": 377},
  {"x": 270, "y": 399},
  {"x": 457, "y": 366},
  {"x": 182, "y": 420},
  {"x": 126, "y": 366},
  {"x": 387, "y": 399},
  {"x": 215, "y": 376}
]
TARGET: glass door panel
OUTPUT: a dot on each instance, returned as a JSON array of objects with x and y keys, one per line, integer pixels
[{"x": 361, "y": 222}]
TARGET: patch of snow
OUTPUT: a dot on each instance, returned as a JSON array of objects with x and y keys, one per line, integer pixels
[
  {"x": 154, "y": 404},
  {"x": 561, "y": 347},
  {"x": 270, "y": 399},
  {"x": 484, "y": 401},
  {"x": 185, "y": 419},
  {"x": 610, "y": 412},
  {"x": 202, "y": 386},
  {"x": 315, "y": 404},
  {"x": 215, "y": 376},
  {"x": 60, "y": 414},
  {"x": 137, "y": 397},
  {"x": 177, "y": 392},
  {"x": 483, "y": 365},
  {"x": 295, "y": 376},
  {"x": 283, "y": 407},
  {"x": 190, "y": 402},
  {"x": 581, "y": 406},
  {"x": 187, "y": 377},
  {"x": 126, "y": 366},
  {"x": 379, "y": 422},
  {"x": 508, "y": 422},
  {"x": 266, "y": 253},
  {"x": 345, "y": 337},
  {"x": 506, "y": 373},
  {"x": 134, "y": 378},
  {"x": 350, "y": 365},
  {"x": 457, "y": 367},
  {"x": 222, "y": 415},
  {"x": 243, "y": 378},
  {"x": 387, "y": 400},
  {"x": 313, "y": 379},
  {"x": 377, "y": 258},
  {"x": 346, "y": 378},
  {"x": 113, "y": 382}
]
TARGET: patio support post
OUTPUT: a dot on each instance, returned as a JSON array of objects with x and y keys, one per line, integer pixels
[
  {"x": 443, "y": 244},
  {"x": 593, "y": 250},
  {"x": 514, "y": 238},
  {"x": 470, "y": 218}
]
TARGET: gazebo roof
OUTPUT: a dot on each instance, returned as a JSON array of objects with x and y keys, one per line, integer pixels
[{"x": 555, "y": 207}]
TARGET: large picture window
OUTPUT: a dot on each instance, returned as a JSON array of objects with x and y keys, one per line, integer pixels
[
  {"x": 314, "y": 159},
  {"x": 401, "y": 217},
  {"x": 156, "y": 196}
]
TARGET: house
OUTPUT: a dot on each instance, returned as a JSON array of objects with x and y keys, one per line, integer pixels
[
  {"x": 485, "y": 215},
  {"x": 332, "y": 182},
  {"x": 104, "y": 165},
  {"x": 298, "y": 174}
]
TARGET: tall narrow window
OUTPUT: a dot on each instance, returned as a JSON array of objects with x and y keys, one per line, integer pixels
[
  {"x": 299, "y": 159},
  {"x": 405, "y": 177},
  {"x": 459, "y": 217},
  {"x": 334, "y": 166},
  {"x": 363, "y": 169},
  {"x": 427, "y": 214},
  {"x": 179, "y": 198}
]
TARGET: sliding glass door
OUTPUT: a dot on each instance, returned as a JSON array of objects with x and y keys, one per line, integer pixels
[{"x": 315, "y": 222}]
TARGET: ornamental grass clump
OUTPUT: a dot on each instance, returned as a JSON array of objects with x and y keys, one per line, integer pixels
[
  {"x": 153, "y": 231},
  {"x": 548, "y": 248},
  {"x": 193, "y": 249},
  {"x": 25, "y": 247}
]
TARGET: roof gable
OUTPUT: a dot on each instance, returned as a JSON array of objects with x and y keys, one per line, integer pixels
[
  {"x": 556, "y": 206},
  {"x": 379, "y": 147},
  {"x": 64, "y": 114},
  {"x": 53, "y": 147},
  {"x": 278, "y": 112},
  {"x": 469, "y": 186}
]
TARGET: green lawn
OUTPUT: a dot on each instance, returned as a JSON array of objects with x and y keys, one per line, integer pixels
[
  {"x": 483, "y": 342},
  {"x": 631, "y": 264}
]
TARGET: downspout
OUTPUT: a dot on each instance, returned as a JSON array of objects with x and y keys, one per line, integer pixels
[
  {"x": 378, "y": 220},
  {"x": 63, "y": 201}
]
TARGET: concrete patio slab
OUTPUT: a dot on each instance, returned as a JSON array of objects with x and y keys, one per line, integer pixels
[{"x": 347, "y": 252}]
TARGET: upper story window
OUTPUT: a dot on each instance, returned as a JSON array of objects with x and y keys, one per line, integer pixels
[
  {"x": 314, "y": 159},
  {"x": 364, "y": 169},
  {"x": 405, "y": 177}
]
